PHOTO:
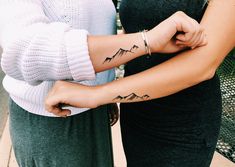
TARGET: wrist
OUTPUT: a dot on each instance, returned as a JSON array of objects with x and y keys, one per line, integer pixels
[
  {"x": 100, "y": 95},
  {"x": 146, "y": 42},
  {"x": 154, "y": 40},
  {"x": 160, "y": 36},
  {"x": 139, "y": 40}
]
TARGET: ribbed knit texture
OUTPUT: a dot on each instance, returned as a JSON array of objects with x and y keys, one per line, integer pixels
[{"x": 46, "y": 40}]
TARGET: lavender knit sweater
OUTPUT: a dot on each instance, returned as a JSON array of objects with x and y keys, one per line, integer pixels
[{"x": 46, "y": 40}]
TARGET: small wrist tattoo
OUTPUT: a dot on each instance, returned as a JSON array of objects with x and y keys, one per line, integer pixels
[{"x": 120, "y": 53}]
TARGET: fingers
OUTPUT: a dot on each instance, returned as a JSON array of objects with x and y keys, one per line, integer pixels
[
  {"x": 53, "y": 107},
  {"x": 196, "y": 40},
  {"x": 113, "y": 111},
  {"x": 200, "y": 40},
  {"x": 185, "y": 24},
  {"x": 193, "y": 33},
  {"x": 53, "y": 102},
  {"x": 203, "y": 40},
  {"x": 59, "y": 111}
]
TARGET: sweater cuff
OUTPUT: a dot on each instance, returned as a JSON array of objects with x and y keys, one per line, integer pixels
[{"x": 78, "y": 58}]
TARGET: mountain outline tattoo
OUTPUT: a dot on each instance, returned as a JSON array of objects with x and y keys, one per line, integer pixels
[
  {"x": 131, "y": 97},
  {"x": 120, "y": 53}
]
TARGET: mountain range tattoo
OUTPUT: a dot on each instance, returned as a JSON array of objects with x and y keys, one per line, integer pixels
[
  {"x": 120, "y": 53},
  {"x": 131, "y": 97}
]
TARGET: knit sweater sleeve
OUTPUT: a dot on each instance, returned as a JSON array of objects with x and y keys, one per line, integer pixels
[{"x": 36, "y": 49}]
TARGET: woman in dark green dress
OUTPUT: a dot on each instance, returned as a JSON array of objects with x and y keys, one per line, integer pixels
[
  {"x": 47, "y": 40},
  {"x": 178, "y": 130}
]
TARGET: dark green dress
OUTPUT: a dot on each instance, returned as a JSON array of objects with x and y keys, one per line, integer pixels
[
  {"x": 180, "y": 130},
  {"x": 82, "y": 140}
]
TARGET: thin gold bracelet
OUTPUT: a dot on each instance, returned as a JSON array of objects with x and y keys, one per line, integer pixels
[{"x": 146, "y": 42}]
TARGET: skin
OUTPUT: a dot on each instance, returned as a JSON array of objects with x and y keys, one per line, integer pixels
[
  {"x": 167, "y": 78},
  {"x": 160, "y": 40},
  {"x": 194, "y": 36}
]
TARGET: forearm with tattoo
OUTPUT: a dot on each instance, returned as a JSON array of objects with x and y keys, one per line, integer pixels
[{"x": 116, "y": 51}]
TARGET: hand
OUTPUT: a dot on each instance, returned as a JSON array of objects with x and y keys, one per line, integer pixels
[
  {"x": 71, "y": 94},
  {"x": 113, "y": 112},
  {"x": 172, "y": 47},
  {"x": 176, "y": 33}
]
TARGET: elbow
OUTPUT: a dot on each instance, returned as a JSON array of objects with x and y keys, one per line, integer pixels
[
  {"x": 4, "y": 64},
  {"x": 10, "y": 66},
  {"x": 210, "y": 74},
  {"x": 9, "y": 69},
  {"x": 198, "y": 75},
  {"x": 8, "y": 57},
  {"x": 8, "y": 62},
  {"x": 205, "y": 75}
]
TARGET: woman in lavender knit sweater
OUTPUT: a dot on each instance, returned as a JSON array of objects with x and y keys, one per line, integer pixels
[{"x": 48, "y": 40}]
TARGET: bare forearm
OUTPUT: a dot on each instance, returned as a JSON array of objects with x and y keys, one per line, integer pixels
[{"x": 185, "y": 70}]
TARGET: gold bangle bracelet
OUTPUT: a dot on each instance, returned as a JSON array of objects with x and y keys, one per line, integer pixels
[{"x": 146, "y": 42}]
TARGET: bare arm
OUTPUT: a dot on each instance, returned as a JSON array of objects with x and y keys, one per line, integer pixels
[
  {"x": 185, "y": 70},
  {"x": 37, "y": 49},
  {"x": 110, "y": 51},
  {"x": 188, "y": 68}
]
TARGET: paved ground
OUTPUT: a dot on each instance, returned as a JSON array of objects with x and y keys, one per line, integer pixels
[{"x": 3, "y": 103}]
